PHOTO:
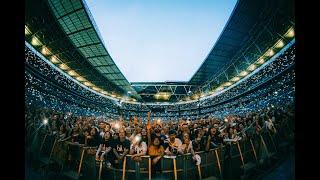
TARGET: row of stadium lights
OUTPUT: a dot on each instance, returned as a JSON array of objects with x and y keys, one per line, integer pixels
[
  {"x": 269, "y": 53},
  {"x": 56, "y": 61}
]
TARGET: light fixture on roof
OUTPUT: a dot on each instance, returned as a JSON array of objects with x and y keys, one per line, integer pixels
[
  {"x": 290, "y": 33},
  {"x": 54, "y": 59},
  {"x": 235, "y": 79},
  {"x": 96, "y": 88},
  {"x": 252, "y": 67},
  {"x": 35, "y": 41},
  {"x": 219, "y": 88},
  {"x": 270, "y": 52},
  {"x": 279, "y": 44},
  {"x": 87, "y": 83},
  {"x": 227, "y": 84},
  {"x": 26, "y": 30},
  {"x": 81, "y": 79},
  {"x": 72, "y": 73},
  {"x": 243, "y": 73},
  {"x": 45, "y": 51},
  {"x": 261, "y": 61},
  {"x": 63, "y": 67}
]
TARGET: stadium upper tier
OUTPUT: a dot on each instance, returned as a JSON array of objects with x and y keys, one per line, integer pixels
[
  {"x": 49, "y": 87},
  {"x": 65, "y": 33}
]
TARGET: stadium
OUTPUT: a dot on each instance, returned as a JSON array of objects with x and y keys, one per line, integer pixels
[{"x": 233, "y": 119}]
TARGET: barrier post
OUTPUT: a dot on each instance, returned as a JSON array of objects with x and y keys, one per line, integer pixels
[
  {"x": 42, "y": 143},
  {"x": 254, "y": 151},
  {"x": 81, "y": 159},
  {"x": 137, "y": 167},
  {"x": 124, "y": 168},
  {"x": 218, "y": 161},
  {"x": 199, "y": 171},
  {"x": 149, "y": 169},
  {"x": 100, "y": 169},
  {"x": 54, "y": 144},
  {"x": 274, "y": 145},
  {"x": 264, "y": 145},
  {"x": 175, "y": 169},
  {"x": 241, "y": 157}
]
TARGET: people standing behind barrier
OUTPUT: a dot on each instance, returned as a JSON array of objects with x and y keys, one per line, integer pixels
[
  {"x": 93, "y": 138},
  {"x": 187, "y": 147},
  {"x": 172, "y": 144},
  {"x": 155, "y": 151},
  {"x": 104, "y": 150},
  {"x": 144, "y": 136},
  {"x": 214, "y": 139},
  {"x": 120, "y": 147},
  {"x": 157, "y": 133},
  {"x": 199, "y": 142},
  {"x": 138, "y": 148}
]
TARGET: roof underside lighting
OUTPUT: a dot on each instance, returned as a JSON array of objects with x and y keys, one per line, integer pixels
[
  {"x": 252, "y": 67},
  {"x": 260, "y": 61},
  {"x": 162, "y": 95},
  {"x": 72, "y": 73},
  {"x": 280, "y": 44},
  {"x": 235, "y": 79},
  {"x": 227, "y": 84},
  {"x": 45, "y": 51},
  {"x": 243, "y": 73},
  {"x": 290, "y": 33},
  {"x": 270, "y": 52},
  {"x": 96, "y": 88},
  {"x": 26, "y": 30},
  {"x": 81, "y": 79},
  {"x": 219, "y": 89},
  {"x": 64, "y": 67},
  {"x": 35, "y": 41},
  {"x": 87, "y": 83},
  {"x": 54, "y": 59}
]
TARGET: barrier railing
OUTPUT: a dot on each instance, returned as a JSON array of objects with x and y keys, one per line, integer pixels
[{"x": 229, "y": 161}]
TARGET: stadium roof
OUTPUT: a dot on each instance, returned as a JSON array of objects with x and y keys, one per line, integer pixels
[{"x": 64, "y": 31}]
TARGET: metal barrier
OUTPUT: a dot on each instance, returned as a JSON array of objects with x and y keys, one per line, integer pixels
[{"x": 226, "y": 162}]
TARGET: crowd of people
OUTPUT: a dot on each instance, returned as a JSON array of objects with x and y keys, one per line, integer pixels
[{"x": 78, "y": 117}]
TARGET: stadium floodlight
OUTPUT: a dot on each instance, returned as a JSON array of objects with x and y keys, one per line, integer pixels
[
  {"x": 279, "y": 44},
  {"x": 35, "y": 41},
  {"x": 26, "y": 30},
  {"x": 72, "y": 73},
  {"x": 54, "y": 59},
  {"x": 87, "y": 83},
  {"x": 63, "y": 67},
  {"x": 243, "y": 73},
  {"x": 80, "y": 78},
  {"x": 261, "y": 61},
  {"x": 252, "y": 67},
  {"x": 235, "y": 79},
  {"x": 270, "y": 52},
  {"x": 45, "y": 51},
  {"x": 290, "y": 33}
]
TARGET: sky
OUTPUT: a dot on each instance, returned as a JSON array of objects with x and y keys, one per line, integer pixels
[{"x": 160, "y": 40}]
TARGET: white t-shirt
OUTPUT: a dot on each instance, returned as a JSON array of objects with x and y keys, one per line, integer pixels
[
  {"x": 183, "y": 146},
  {"x": 177, "y": 143},
  {"x": 139, "y": 149}
]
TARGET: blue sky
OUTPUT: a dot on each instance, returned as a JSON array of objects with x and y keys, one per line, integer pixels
[{"x": 160, "y": 40}]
